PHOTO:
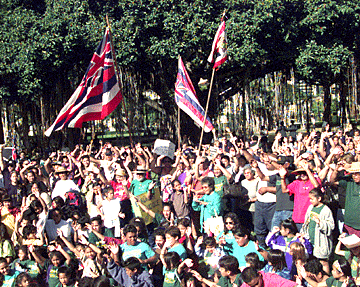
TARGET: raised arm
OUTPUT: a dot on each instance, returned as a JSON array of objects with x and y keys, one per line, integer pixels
[
  {"x": 254, "y": 164},
  {"x": 282, "y": 173},
  {"x": 143, "y": 207},
  {"x": 154, "y": 166}
]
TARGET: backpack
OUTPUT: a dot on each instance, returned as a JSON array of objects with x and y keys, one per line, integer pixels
[{"x": 74, "y": 199}]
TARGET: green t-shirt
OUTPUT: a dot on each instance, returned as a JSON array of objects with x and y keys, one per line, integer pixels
[
  {"x": 52, "y": 273},
  {"x": 6, "y": 249},
  {"x": 355, "y": 264},
  {"x": 140, "y": 250},
  {"x": 9, "y": 280},
  {"x": 139, "y": 187},
  {"x": 225, "y": 281},
  {"x": 230, "y": 242},
  {"x": 352, "y": 203},
  {"x": 241, "y": 252},
  {"x": 161, "y": 221},
  {"x": 312, "y": 224},
  {"x": 28, "y": 266},
  {"x": 171, "y": 278},
  {"x": 219, "y": 184},
  {"x": 179, "y": 249},
  {"x": 93, "y": 239},
  {"x": 332, "y": 282}
]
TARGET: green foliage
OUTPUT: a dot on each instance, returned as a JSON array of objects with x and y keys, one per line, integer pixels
[{"x": 46, "y": 45}]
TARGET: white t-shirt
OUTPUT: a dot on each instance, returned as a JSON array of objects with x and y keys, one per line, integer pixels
[
  {"x": 62, "y": 187},
  {"x": 252, "y": 188},
  {"x": 266, "y": 197},
  {"x": 64, "y": 226},
  {"x": 111, "y": 211}
]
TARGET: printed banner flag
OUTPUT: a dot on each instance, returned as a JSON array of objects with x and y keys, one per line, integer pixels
[
  {"x": 219, "y": 47},
  {"x": 186, "y": 99},
  {"x": 97, "y": 95}
]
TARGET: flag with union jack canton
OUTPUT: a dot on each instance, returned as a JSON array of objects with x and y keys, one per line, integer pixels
[
  {"x": 219, "y": 47},
  {"x": 97, "y": 95},
  {"x": 185, "y": 98}
]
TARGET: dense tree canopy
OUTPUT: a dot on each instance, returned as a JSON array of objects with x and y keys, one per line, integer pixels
[{"x": 46, "y": 45}]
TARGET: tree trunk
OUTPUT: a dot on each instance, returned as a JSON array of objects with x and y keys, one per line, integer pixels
[
  {"x": 2, "y": 119},
  {"x": 327, "y": 103}
]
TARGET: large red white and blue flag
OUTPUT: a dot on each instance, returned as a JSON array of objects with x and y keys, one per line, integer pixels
[
  {"x": 97, "y": 95},
  {"x": 185, "y": 98},
  {"x": 218, "y": 53}
]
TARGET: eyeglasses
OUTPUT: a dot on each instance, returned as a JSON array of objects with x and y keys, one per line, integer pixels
[{"x": 229, "y": 222}]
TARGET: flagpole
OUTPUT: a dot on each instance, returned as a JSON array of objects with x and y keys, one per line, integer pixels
[
  {"x": 118, "y": 79},
  {"x": 206, "y": 109},
  {"x": 178, "y": 128}
]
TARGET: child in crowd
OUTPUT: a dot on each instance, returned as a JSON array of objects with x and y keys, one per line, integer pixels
[
  {"x": 282, "y": 239},
  {"x": 24, "y": 280},
  {"x": 226, "y": 238},
  {"x": 253, "y": 260},
  {"x": 318, "y": 226},
  {"x": 8, "y": 275},
  {"x": 66, "y": 277},
  {"x": 57, "y": 258},
  {"x": 277, "y": 264},
  {"x": 341, "y": 275},
  {"x": 24, "y": 264},
  {"x": 173, "y": 267},
  {"x": 352, "y": 255},
  {"x": 132, "y": 274},
  {"x": 210, "y": 253},
  {"x": 110, "y": 210}
]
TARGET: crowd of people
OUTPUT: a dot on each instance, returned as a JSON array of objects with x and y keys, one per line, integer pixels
[{"x": 286, "y": 212}]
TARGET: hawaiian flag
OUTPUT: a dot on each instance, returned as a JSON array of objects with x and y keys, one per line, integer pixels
[
  {"x": 219, "y": 47},
  {"x": 185, "y": 98},
  {"x": 97, "y": 95}
]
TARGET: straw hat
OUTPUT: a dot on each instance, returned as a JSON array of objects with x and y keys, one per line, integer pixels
[
  {"x": 355, "y": 167},
  {"x": 61, "y": 169},
  {"x": 120, "y": 172}
]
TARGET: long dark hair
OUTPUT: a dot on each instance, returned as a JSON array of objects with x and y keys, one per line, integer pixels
[
  {"x": 290, "y": 224},
  {"x": 317, "y": 192},
  {"x": 4, "y": 235},
  {"x": 234, "y": 218},
  {"x": 241, "y": 231},
  {"x": 277, "y": 259},
  {"x": 172, "y": 260}
]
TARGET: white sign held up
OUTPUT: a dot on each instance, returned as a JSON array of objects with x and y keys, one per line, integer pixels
[{"x": 164, "y": 147}]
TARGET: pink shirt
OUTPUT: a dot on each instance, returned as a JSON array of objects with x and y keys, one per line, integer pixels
[
  {"x": 272, "y": 280},
  {"x": 301, "y": 189},
  {"x": 119, "y": 191}
]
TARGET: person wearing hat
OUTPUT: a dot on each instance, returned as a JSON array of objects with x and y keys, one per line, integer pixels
[
  {"x": 63, "y": 185},
  {"x": 120, "y": 186},
  {"x": 140, "y": 184},
  {"x": 352, "y": 197},
  {"x": 352, "y": 255},
  {"x": 300, "y": 189}
]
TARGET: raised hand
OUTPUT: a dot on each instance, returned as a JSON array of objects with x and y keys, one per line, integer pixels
[
  {"x": 282, "y": 172},
  {"x": 114, "y": 248}
]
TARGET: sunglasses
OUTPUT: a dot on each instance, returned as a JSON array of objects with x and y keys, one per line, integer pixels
[{"x": 229, "y": 222}]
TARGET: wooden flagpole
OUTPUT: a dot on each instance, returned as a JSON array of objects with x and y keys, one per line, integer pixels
[
  {"x": 208, "y": 99},
  {"x": 118, "y": 79},
  {"x": 178, "y": 128},
  {"x": 206, "y": 109}
]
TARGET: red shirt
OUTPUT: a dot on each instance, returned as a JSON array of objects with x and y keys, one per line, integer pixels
[{"x": 119, "y": 191}]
